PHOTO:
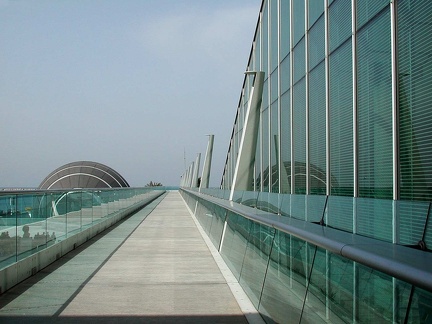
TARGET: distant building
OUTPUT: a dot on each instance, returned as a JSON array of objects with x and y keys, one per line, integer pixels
[{"x": 83, "y": 174}]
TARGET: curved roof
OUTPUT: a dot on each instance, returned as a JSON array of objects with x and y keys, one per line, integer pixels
[{"x": 83, "y": 174}]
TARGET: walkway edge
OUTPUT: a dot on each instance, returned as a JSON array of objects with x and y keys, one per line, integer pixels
[{"x": 246, "y": 306}]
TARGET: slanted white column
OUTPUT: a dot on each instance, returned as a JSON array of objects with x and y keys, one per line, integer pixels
[
  {"x": 243, "y": 173},
  {"x": 191, "y": 168},
  {"x": 195, "y": 171},
  {"x": 187, "y": 177},
  {"x": 205, "y": 178}
]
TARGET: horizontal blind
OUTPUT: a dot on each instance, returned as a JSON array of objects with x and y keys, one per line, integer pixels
[
  {"x": 341, "y": 121},
  {"x": 415, "y": 99},
  {"x": 374, "y": 105}
]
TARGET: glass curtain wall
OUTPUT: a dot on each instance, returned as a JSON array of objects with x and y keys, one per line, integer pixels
[{"x": 345, "y": 103}]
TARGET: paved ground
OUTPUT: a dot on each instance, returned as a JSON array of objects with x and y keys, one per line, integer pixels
[{"x": 153, "y": 267}]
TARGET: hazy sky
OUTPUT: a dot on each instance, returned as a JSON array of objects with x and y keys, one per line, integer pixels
[{"x": 130, "y": 84}]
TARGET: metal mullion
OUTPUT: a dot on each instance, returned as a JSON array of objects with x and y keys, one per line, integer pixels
[
  {"x": 292, "y": 100},
  {"x": 279, "y": 106},
  {"x": 269, "y": 91},
  {"x": 354, "y": 93},
  {"x": 395, "y": 101},
  {"x": 261, "y": 124},
  {"x": 307, "y": 95},
  {"x": 327, "y": 100}
]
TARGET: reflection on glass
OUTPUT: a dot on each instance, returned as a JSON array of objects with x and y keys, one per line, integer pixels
[
  {"x": 287, "y": 274},
  {"x": 421, "y": 307},
  {"x": 234, "y": 244},
  {"x": 218, "y": 221},
  {"x": 255, "y": 262}
]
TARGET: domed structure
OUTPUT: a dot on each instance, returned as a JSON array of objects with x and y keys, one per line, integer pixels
[{"x": 83, "y": 174}]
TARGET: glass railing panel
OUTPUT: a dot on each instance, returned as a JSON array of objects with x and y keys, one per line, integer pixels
[
  {"x": 235, "y": 241},
  {"x": 122, "y": 199},
  {"x": 87, "y": 208},
  {"x": 54, "y": 207},
  {"x": 200, "y": 212},
  {"x": 227, "y": 243},
  {"x": 115, "y": 202},
  {"x": 26, "y": 206},
  {"x": 29, "y": 221},
  {"x": 285, "y": 205},
  {"x": 73, "y": 202},
  {"x": 204, "y": 191},
  {"x": 7, "y": 212},
  {"x": 305, "y": 207},
  {"x": 207, "y": 216},
  {"x": 339, "y": 213},
  {"x": 421, "y": 307},
  {"x": 255, "y": 261},
  {"x": 379, "y": 298},
  {"x": 286, "y": 280},
  {"x": 411, "y": 217},
  {"x": 186, "y": 196},
  {"x": 374, "y": 218},
  {"x": 8, "y": 223},
  {"x": 32, "y": 223},
  {"x": 268, "y": 202},
  {"x": 110, "y": 203},
  {"x": 208, "y": 191},
  {"x": 218, "y": 222},
  {"x": 104, "y": 197},
  {"x": 298, "y": 206},
  {"x": 250, "y": 198},
  {"x": 97, "y": 209},
  {"x": 226, "y": 194},
  {"x": 191, "y": 203},
  {"x": 315, "y": 206},
  {"x": 331, "y": 288},
  {"x": 217, "y": 192},
  {"x": 237, "y": 196}
]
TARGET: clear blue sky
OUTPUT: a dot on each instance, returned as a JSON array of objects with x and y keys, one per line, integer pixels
[{"x": 130, "y": 84}]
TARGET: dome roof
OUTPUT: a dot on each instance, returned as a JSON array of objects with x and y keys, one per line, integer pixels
[{"x": 83, "y": 174}]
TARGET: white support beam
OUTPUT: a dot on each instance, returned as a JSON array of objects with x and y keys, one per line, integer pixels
[
  {"x": 195, "y": 171},
  {"x": 205, "y": 178},
  {"x": 244, "y": 170}
]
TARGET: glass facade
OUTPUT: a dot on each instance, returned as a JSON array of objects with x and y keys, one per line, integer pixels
[
  {"x": 345, "y": 139},
  {"x": 345, "y": 102}
]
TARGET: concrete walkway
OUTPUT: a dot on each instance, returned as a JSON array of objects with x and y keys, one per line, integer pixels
[{"x": 153, "y": 267}]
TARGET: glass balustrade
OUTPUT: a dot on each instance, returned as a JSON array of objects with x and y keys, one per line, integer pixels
[
  {"x": 33, "y": 220},
  {"x": 290, "y": 280}
]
